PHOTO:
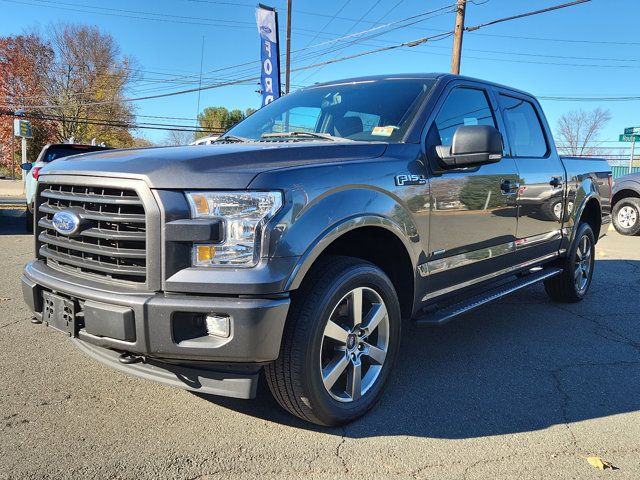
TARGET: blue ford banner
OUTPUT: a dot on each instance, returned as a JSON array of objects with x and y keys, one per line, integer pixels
[{"x": 267, "y": 20}]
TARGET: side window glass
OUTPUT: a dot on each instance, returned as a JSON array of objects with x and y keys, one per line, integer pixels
[
  {"x": 463, "y": 106},
  {"x": 526, "y": 135}
]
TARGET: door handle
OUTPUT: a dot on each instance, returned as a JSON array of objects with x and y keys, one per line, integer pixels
[
  {"x": 556, "y": 182},
  {"x": 509, "y": 187}
]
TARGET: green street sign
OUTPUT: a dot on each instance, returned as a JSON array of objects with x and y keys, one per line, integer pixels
[
  {"x": 629, "y": 138},
  {"x": 632, "y": 131}
]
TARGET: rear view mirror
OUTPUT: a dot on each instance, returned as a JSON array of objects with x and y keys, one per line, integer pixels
[
  {"x": 26, "y": 166},
  {"x": 473, "y": 145}
]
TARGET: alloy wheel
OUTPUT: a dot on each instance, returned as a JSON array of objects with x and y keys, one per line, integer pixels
[
  {"x": 627, "y": 217},
  {"x": 354, "y": 345},
  {"x": 583, "y": 264}
]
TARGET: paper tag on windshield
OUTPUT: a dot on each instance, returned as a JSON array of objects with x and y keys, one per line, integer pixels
[{"x": 383, "y": 131}]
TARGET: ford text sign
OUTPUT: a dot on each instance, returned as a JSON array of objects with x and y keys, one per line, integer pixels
[{"x": 267, "y": 20}]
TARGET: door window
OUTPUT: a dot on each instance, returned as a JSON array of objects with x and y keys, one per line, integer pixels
[
  {"x": 463, "y": 106},
  {"x": 526, "y": 135}
]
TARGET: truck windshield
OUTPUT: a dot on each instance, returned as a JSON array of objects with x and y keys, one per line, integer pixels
[{"x": 368, "y": 110}]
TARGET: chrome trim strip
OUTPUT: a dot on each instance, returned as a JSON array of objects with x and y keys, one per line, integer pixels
[
  {"x": 489, "y": 276},
  {"x": 467, "y": 258},
  {"x": 537, "y": 239}
]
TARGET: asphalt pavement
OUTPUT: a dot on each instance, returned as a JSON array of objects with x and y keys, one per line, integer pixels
[{"x": 522, "y": 388}]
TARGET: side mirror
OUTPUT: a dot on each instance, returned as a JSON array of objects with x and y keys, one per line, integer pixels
[
  {"x": 26, "y": 166},
  {"x": 473, "y": 145}
]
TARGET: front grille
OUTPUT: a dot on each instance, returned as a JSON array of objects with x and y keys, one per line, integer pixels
[{"x": 111, "y": 241}]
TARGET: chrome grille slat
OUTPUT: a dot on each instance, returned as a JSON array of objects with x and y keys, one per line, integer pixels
[
  {"x": 96, "y": 215},
  {"x": 101, "y": 233},
  {"x": 91, "y": 248},
  {"x": 63, "y": 259},
  {"x": 112, "y": 240},
  {"x": 77, "y": 197}
]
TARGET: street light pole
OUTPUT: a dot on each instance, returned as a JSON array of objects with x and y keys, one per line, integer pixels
[
  {"x": 287, "y": 74},
  {"x": 13, "y": 134}
]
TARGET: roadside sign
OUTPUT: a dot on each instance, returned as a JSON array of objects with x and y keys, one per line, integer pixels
[
  {"x": 629, "y": 138},
  {"x": 22, "y": 128},
  {"x": 632, "y": 131}
]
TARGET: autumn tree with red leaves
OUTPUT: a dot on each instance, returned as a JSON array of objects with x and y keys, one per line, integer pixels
[{"x": 72, "y": 85}]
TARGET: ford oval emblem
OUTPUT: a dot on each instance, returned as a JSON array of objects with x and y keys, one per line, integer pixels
[
  {"x": 264, "y": 29},
  {"x": 66, "y": 223}
]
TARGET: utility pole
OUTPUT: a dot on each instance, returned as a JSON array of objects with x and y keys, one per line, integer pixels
[
  {"x": 287, "y": 75},
  {"x": 457, "y": 37},
  {"x": 13, "y": 134}
]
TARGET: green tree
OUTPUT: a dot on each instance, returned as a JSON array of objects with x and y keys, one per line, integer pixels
[
  {"x": 478, "y": 189},
  {"x": 217, "y": 120}
]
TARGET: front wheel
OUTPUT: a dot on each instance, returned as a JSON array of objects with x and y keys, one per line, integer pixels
[
  {"x": 577, "y": 269},
  {"x": 626, "y": 216},
  {"x": 340, "y": 342}
]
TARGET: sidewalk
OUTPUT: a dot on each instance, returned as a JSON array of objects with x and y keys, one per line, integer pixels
[{"x": 11, "y": 188}]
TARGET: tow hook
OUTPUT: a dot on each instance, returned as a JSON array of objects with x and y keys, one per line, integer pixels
[{"x": 128, "y": 358}]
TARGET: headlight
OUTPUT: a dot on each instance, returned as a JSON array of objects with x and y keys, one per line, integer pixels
[{"x": 243, "y": 215}]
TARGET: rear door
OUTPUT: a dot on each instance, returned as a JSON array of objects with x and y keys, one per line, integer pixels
[
  {"x": 473, "y": 215},
  {"x": 541, "y": 196}
]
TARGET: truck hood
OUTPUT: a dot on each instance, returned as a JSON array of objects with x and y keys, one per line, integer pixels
[{"x": 223, "y": 166}]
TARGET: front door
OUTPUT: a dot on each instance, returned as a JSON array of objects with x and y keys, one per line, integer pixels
[{"x": 473, "y": 214}]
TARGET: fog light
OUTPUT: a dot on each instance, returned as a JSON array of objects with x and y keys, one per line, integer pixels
[{"x": 218, "y": 326}]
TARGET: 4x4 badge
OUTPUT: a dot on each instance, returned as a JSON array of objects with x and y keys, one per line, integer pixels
[{"x": 410, "y": 179}]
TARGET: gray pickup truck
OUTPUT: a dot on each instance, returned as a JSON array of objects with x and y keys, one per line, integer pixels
[{"x": 299, "y": 243}]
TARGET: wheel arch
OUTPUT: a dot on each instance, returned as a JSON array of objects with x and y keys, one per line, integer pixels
[
  {"x": 625, "y": 192},
  {"x": 366, "y": 237}
]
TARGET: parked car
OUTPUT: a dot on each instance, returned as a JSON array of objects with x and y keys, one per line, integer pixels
[
  {"x": 206, "y": 140},
  {"x": 49, "y": 153},
  {"x": 626, "y": 204},
  {"x": 299, "y": 243}
]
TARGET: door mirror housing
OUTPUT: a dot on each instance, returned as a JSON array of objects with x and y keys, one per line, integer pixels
[
  {"x": 26, "y": 166},
  {"x": 473, "y": 145}
]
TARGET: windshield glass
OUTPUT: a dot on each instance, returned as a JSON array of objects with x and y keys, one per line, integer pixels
[
  {"x": 60, "y": 151},
  {"x": 371, "y": 110}
]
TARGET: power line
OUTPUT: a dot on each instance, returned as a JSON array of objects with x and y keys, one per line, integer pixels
[{"x": 526, "y": 14}]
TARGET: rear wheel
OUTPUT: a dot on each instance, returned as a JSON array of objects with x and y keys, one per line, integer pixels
[
  {"x": 626, "y": 216},
  {"x": 339, "y": 344},
  {"x": 573, "y": 283}
]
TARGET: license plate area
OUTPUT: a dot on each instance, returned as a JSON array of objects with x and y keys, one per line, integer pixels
[{"x": 59, "y": 312}]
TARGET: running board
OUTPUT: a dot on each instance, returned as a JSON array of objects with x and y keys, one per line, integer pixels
[{"x": 446, "y": 313}]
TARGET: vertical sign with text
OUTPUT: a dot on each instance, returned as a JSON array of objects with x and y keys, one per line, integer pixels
[{"x": 267, "y": 20}]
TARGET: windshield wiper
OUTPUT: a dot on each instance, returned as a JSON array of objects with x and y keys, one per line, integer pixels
[
  {"x": 232, "y": 138},
  {"x": 323, "y": 136}
]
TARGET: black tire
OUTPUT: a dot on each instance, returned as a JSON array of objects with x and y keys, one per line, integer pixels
[
  {"x": 295, "y": 378},
  {"x": 566, "y": 287},
  {"x": 29, "y": 221},
  {"x": 626, "y": 216}
]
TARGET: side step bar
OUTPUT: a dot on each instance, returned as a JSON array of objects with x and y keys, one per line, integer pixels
[{"x": 446, "y": 313}]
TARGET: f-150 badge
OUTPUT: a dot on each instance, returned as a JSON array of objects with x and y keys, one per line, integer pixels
[{"x": 410, "y": 179}]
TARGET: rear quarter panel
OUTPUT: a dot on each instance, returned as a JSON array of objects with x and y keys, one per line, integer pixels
[{"x": 587, "y": 178}]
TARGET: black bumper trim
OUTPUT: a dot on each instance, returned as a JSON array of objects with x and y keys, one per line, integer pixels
[{"x": 226, "y": 384}]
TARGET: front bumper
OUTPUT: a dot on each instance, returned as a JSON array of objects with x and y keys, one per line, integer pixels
[{"x": 112, "y": 320}]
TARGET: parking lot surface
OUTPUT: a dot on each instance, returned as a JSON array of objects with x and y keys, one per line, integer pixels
[{"x": 522, "y": 388}]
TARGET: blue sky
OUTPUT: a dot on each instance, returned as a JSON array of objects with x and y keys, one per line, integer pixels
[{"x": 587, "y": 50}]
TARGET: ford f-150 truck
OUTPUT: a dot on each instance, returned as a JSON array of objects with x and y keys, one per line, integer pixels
[{"x": 299, "y": 243}]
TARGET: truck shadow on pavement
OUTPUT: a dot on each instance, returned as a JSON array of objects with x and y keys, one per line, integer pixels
[{"x": 518, "y": 365}]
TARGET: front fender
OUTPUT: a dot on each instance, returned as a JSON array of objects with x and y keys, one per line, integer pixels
[{"x": 317, "y": 224}]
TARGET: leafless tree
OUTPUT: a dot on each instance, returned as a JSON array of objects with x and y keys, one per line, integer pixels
[
  {"x": 578, "y": 131},
  {"x": 179, "y": 137}
]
